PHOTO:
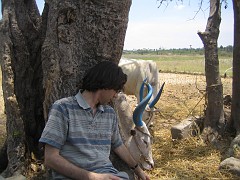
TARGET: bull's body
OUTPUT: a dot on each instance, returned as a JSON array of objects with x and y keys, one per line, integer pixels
[{"x": 137, "y": 71}]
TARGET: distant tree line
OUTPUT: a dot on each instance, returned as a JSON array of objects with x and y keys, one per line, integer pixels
[{"x": 223, "y": 51}]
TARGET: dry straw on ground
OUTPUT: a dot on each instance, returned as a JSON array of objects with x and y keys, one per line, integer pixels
[
  {"x": 190, "y": 158},
  {"x": 185, "y": 159}
]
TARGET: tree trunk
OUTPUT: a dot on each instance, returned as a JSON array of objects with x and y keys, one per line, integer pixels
[
  {"x": 235, "y": 109},
  {"x": 44, "y": 59},
  {"x": 214, "y": 120},
  {"x": 22, "y": 78},
  {"x": 84, "y": 33}
]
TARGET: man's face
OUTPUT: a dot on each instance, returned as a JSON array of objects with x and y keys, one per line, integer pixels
[{"x": 107, "y": 95}]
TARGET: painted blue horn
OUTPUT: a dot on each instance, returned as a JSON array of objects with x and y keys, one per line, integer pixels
[
  {"x": 142, "y": 89},
  {"x": 138, "y": 112},
  {"x": 151, "y": 105}
]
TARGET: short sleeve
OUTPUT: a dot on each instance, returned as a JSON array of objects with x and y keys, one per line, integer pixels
[{"x": 56, "y": 129}]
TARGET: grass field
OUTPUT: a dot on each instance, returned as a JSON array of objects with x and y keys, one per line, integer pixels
[{"x": 190, "y": 64}]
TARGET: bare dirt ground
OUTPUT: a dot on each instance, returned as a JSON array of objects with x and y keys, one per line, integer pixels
[{"x": 183, "y": 96}]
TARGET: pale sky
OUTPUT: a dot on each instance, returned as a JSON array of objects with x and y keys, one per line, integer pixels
[{"x": 172, "y": 26}]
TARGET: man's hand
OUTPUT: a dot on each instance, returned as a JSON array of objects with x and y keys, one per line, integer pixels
[
  {"x": 95, "y": 176},
  {"x": 124, "y": 154},
  {"x": 141, "y": 174}
]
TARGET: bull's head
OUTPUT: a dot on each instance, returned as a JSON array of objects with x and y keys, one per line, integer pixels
[
  {"x": 141, "y": 137},
  {"x": 133, "y": 129}
]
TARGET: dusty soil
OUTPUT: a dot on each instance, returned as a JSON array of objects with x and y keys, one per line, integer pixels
[{"x": 184, "y": 95}]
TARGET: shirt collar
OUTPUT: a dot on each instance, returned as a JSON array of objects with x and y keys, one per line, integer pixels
[{"x": 82, "y": 103}]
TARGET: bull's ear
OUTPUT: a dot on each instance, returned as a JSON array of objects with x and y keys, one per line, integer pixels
[{"x": 133, "y": 132}]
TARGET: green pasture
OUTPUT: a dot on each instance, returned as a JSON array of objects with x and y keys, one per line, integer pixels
[{"x": 191, "y": 64}]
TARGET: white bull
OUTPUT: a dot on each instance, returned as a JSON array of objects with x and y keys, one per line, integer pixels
[
  {"x": 137, "y": 71},
  {"x": 133, "y": 129}
]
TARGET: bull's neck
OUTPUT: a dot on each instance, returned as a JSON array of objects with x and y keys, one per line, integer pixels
[{"x": 125, "y": 113}]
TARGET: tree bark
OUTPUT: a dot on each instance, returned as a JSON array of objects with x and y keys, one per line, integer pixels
[
  {"x": 22, "y": 91},
  {"x": 43, "y": 58},
  {"x": 84, "y": 33},
  {"x": 235, "y": 108},
  {"x": 214, "y": 120}
]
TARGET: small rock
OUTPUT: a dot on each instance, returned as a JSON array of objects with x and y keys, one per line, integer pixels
[
  {"x": 232, "y": 165},
  {"x": 186, "y": 128}
]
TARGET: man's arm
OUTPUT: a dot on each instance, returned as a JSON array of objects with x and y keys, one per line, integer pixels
[
  {"x": 54, "y": 161},
  {"x": 124, "y": 154}
]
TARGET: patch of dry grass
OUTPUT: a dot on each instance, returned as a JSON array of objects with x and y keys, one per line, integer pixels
[
  {"x": 189, "y": 158},
  {"x": 185, "y": 159}
]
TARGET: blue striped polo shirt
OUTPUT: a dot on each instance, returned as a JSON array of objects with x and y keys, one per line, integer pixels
[{"x": 83, "y": 139}]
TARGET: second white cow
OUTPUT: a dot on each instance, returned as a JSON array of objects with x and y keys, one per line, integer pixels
[{"x": 137, "y": 71}]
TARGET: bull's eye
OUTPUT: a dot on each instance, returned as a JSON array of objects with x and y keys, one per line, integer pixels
[{"x": 145, "y": 142}]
